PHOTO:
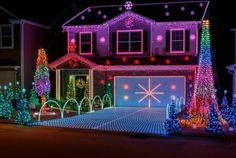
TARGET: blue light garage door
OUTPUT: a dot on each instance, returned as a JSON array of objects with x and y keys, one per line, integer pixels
[{"x": 147, "y": 91}]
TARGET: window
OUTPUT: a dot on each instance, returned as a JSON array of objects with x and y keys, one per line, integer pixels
[
  {"x": 177, "y": 41},
  {"x": 6, "y": 36},
  {"x": 86, "y": 43},
  {"x": 129, "y": 42}
]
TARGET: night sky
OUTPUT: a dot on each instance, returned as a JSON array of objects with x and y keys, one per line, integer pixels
[{"x": 221, "y": 13}]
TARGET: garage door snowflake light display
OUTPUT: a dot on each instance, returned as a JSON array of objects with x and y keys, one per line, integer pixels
[{"x": 147, "y": 91}]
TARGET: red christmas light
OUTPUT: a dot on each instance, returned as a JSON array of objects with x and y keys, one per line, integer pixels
[
  {"x": 190, "y": 77},
  {"x": 102, "y": 82},
  {"x": 108, "y": 62},
  {"x": 152, "y": 59},
  {"x": 110, "y": 77},
  {"x": 124, "y": 59},
  {"x": 167, "y": 61},
  {"x": 136, "y": 62},
  {"x": 186, "y": 58}
]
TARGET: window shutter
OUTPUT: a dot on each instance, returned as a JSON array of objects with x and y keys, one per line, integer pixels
[
  {"x": 187, "y": 40},
  {"x": 113, "y": 43},
  {"x": 77, "y": 42},
  {"x": 168, "y": 41},
  {"x": 94, "y": 43},
  {"x": 145, "y": 41}
]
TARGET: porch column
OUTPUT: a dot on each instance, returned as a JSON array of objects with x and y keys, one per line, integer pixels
[
  {"x": 234, "y": 81},
  {"x": 90, "y": 84},
  {"x": 58, "y": 84}
]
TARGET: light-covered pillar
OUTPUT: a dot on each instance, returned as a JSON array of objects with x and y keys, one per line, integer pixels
[
  {"x": 90, "y": 84},
  {"x": 58, "y": 84}
]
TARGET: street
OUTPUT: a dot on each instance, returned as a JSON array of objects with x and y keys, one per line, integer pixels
[{"x": 19, "y": 141}]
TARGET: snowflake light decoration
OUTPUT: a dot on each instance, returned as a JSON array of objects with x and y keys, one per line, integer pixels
[
  {"x": 128, "y": 5},
  {"x": 149, "y": 93},
  {"x": 129, "y": 22}
]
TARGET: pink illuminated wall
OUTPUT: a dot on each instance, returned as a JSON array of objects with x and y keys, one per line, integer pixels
[{"x": 154, "y": 34}]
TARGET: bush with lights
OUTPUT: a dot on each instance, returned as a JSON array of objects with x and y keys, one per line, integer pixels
[
  {"x": 17, "y": 90},
  {"x": 225, "y": 110},
  {"x": 33, "y": 100},
  {"x": 23, "y": 114},
  {"x": 214, "y": 125},
  {"x": 2, "y": 101},
  {"x": 172, "y": 124},
  {"x": 7, "y": 109}
]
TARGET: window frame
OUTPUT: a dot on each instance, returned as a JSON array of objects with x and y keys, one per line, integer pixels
[
  {"x": 129, "y": 41},
  {"x": 91, "y": 43},
  {"x": 12, "y": 36},
  {"x": 171, "y": 33}
]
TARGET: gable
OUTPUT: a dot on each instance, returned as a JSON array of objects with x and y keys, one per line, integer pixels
[{"x": 71, "y": 61}]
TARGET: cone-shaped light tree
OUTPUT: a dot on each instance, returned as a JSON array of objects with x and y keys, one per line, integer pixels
[
  {"x": 41, "y": 77},
  {"x": 204, "y": 86}
]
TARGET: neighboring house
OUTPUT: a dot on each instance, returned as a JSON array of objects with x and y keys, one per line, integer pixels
[
  {"x": 232, "y": 68},
  {"x": 139, "y": 57},
  {"x": 19, "y": 41}
]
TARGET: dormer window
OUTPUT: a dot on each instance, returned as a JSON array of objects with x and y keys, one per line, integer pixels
[
  {"x": 85, "y": 43},
  {"x": 177, "y": 44},
  {"x": 6, "y": 36},
  {"x": 129, "y": 42}
]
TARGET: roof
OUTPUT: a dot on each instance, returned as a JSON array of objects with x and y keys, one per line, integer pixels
[
  {"x": 6, "y": 16},
  {"x": 164, "y": 12},
  {"x": 70, "y": 57}
]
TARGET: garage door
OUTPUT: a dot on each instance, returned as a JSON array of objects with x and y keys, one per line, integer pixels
[{"x": 147, "y": 91}]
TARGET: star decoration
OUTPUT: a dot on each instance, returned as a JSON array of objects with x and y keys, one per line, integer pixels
[{"x": 149, "y": 93}]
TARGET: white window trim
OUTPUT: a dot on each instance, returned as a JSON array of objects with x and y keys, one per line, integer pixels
[
  {"x": 91, "y": 44},
  {"x": 12, "y": 37},
  {"x": 117, "y": 42},
  {"x": 178, "y": 29}
]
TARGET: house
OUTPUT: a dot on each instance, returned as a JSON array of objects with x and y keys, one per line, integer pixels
[
  {"x": 19, "y": 41},
  {"x": 232, "y": 68},
  {"x": 137, "y": 57}
]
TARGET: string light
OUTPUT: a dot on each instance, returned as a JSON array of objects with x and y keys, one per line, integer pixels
[{"x": 204, "y": 87}]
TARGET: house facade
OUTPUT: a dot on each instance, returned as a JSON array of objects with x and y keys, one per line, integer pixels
[
  {"x": 139, "y": 58},
  {"x": 19, "y": 41}
]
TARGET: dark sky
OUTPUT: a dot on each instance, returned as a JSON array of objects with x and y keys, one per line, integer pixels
[{"x": 222, "y": 15}]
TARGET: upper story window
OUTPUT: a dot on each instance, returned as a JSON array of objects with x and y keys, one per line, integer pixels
[
  {"x": 6, "y": 36},
  {"x": 129, "y": 42},
  {"x": 85, "y": 43},
  {"x": 177, "y": 43}
]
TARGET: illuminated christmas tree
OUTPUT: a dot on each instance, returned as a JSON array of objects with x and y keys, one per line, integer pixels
[
  {"x": 17, "y": 90},
  {"x": 41, "y": 77},
  {"x": 70, "y": 92},
  {"x": 232, "y": 120},
  {"x": 10, "y": 92},
  {"x": 213, "y": 125},
  {"x": 225, "y": 110},
  {"x": 172, "y": 124},
  {"x": 23, "y": 114},
  {"x": 2, "y": 101},
  {"x": 34, "y": 100},
  {"x": 204, "y": 87},
  {"x": 7, "y": 109}
]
